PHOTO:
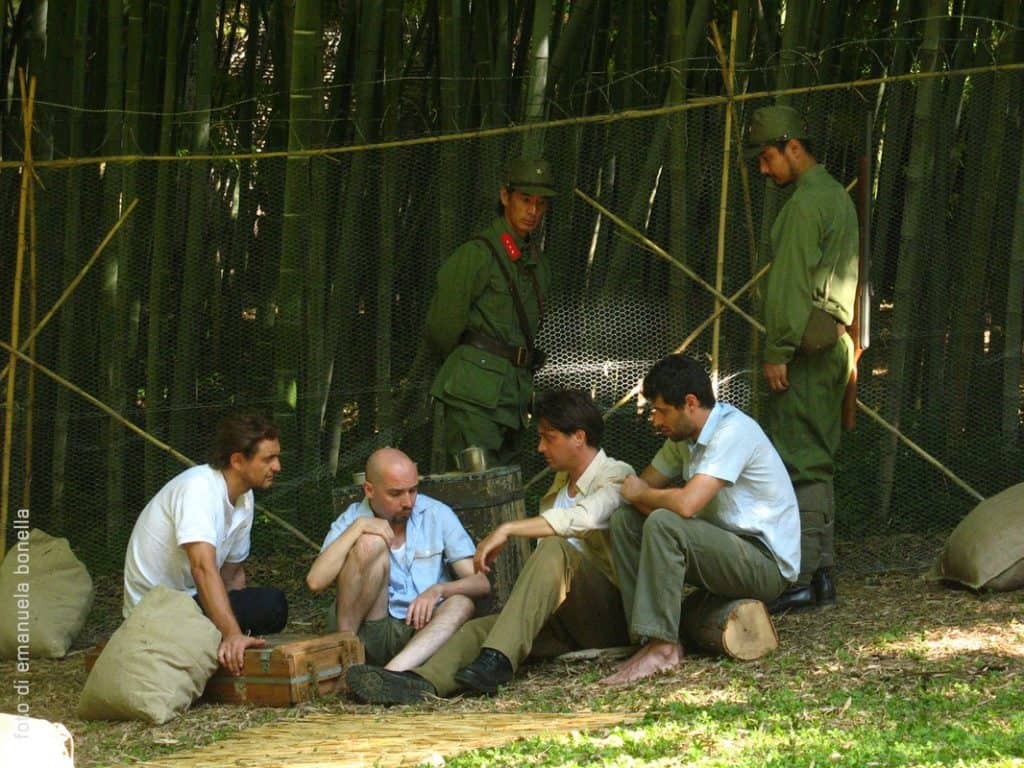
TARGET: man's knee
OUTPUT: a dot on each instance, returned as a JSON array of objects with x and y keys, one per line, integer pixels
[
  {"x": 260, "y": 610},
  {"x": 664, "y": 524},
  {"x": 625, "y": 520},
  {"x": 367, "y": 549},
  {"x": 459, "y": 607},
  {"x": 552, "y": 547}
]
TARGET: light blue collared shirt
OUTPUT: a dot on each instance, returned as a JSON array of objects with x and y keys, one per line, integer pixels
[
  {"x": 434, "y": 539},
  {"x": 758, "y": 498}
]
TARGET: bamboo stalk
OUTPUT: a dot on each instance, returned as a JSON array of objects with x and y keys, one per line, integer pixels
[
  {"x": 136, "y": 429},
  {"x": 604, "y": 118},
  {"x": 729, "y": 68},
  {"x": 19, "y": 265},
  {"x": 729, "y": 78},
  {"x": 74, "y": 283},
  {"x": 30, "y": 386},
  {"x": 732, "y": 305}
]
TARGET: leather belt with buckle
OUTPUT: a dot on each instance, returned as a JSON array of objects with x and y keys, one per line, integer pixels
[{"x": 520, "y": 357}]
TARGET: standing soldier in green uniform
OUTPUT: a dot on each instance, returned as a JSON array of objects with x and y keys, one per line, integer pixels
[
  {"x": 483, "y": 319},
  {"x": 809, "y": 297}
]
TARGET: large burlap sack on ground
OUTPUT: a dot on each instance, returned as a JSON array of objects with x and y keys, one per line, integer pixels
[
  {"x": 986, "y": 550},
  {"x": 45, "y": 596},
  {"x": 27, "y": 741},
  {"x": 156, "y": 663}
]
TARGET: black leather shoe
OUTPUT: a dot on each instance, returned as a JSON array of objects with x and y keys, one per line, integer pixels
[
  {"x": 794, "y": 599},
  {"x": 824, "y": 588},
  {"x": 376, "y": 685},
  {"x": 488, "y": 670}
]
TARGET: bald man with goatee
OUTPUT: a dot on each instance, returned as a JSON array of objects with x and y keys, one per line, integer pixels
[{"x": 403, "y": 566}]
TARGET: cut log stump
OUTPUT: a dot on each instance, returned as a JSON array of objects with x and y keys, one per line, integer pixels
[{"x": 740, "y": 629}]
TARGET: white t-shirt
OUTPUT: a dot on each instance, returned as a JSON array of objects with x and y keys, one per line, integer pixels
[
  {"x": 564, "y": 501},
  {"x": 194, "y": 506}
]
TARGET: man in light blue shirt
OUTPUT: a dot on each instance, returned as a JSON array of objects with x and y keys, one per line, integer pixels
[
  {"x": 733, "y": 529},
  {"x": 390, "y": 556}
]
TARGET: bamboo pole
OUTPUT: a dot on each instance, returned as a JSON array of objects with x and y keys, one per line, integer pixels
[
  {"x": 631, "y": 231},
  {"x": 30, "y": 387},
  {"x": 604, "y": 118},
  {"x": 19, "y": 266},
  {"x": 96, "y": 402},
  {"x": 729, "y": 69},
  {"x": 748, "y": 208},
  {"x": 74, "y": 283}
]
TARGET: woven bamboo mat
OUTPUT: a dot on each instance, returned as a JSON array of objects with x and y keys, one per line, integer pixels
[{"x": 341, "y": 741}]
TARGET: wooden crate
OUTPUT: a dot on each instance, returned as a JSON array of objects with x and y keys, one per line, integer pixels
[{"x": 288, "y": 670}]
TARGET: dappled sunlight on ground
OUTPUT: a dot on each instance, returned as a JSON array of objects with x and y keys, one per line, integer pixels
[{"x": 982, "y": 638}]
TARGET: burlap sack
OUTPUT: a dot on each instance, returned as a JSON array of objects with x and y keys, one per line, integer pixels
[
  {"x": 28, "y": 741},
  {"x": 45, "y": 596},
  {"x": 156, "y": 663},
  {"x": 986, "y": 550}
]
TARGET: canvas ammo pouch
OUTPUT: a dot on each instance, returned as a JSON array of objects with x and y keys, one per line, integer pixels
[{"x": 821, "y": 332}]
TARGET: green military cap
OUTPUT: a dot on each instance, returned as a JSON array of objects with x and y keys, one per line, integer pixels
[
  {"x": 770, "y": 125},
  {"x": 531, "y": 176}
]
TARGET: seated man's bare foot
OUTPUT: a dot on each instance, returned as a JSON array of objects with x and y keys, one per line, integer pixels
[{"x": 655, "y": 657}]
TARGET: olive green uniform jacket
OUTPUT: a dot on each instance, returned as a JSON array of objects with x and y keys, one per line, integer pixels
[
  {"x": 473, "y": 294},
  {"x": 814, "y": 247}
]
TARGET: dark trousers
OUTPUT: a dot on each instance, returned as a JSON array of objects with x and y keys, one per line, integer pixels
[{"x": 258, "y": 610}]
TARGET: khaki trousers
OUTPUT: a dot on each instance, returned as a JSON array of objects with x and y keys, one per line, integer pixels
[
  {"x": 817, "y": 528},
  {"x": 561, "y": 602},
  {"x": 656, "y": 555}
]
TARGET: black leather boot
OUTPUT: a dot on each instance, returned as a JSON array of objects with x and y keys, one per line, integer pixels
[
  {"x": 794, "y": 599},
  {"x": 487, "y": 671},
  {"x": 824, "y": 588}
]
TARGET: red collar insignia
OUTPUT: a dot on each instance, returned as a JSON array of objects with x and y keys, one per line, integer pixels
[{"x": 510, "y": 246}]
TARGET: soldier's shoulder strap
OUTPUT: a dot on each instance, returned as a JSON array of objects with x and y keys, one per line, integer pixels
[{"x": 517, "y": 300}]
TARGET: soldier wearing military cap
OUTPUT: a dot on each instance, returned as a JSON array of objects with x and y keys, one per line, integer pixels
[
  {"x": 808, "y": 357},
  {"x": 483, "y": 320}
]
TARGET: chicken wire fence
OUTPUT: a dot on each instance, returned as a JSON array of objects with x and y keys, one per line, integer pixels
[{"x": 300, "y": 287}]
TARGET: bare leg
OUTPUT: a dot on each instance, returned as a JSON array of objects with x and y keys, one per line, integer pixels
[
  {"x": 450, "y": 615},
  {"x": 363, "y": 583},
  {"x": 657, "y": 656}
]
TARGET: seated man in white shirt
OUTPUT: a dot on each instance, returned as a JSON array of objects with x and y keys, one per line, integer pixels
[
  {"x": 733, "y": 529},
  {"x": 389, "y": 556},
  {"x": 565, "y": 597},
  {"x": 193, "y": 536}
]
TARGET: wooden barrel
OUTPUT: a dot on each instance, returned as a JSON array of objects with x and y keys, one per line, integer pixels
[{"x": 482, "y": 501}]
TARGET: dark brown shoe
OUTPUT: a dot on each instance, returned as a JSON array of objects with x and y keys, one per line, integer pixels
[{"x": 376, "y": 685}]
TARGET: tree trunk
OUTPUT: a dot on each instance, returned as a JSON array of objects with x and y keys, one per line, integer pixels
[{"x": 740, "y": 629}]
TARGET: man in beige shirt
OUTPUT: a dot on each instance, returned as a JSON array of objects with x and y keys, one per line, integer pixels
[{"x": 565, "y": 598}]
